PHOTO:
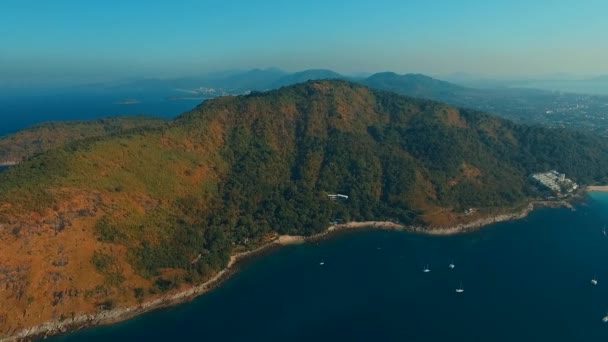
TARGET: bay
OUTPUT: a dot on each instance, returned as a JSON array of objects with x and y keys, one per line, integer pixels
[
  {"x": 526, "y": 280},
  {"x": 25, "y": 110}
]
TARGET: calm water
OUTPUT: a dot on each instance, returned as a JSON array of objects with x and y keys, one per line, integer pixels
[
  {"x": 22, "y": 111},
  {"x": 524, "y": 281}
]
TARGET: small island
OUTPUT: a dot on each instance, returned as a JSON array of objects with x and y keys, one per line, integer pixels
[{"x": 128, "y": 102}]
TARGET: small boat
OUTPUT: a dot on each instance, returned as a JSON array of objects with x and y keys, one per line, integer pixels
[
  {"x": 594, "y": 281},
  {"x": 451, "y": 265},
  {"x": 605, "y": 319},
  {"x": 460, "y": 289},
  {"x": 604, "y": 230},
  {"x": 322, "y": 263},
  {"x": 426, "y": 269}
]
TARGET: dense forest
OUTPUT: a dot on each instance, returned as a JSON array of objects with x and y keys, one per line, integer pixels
[{"x": 154, "y": 208}]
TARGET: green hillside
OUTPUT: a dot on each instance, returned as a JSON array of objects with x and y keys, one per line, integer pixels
[
  {"x": 139, "y": 213},
  {"x": 43, "y": 137}
]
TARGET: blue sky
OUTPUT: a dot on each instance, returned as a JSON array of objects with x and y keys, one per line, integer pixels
[{"x": 78, "y": 39}]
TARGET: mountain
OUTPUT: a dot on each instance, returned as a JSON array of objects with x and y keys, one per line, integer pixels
[
  {"x": 306, "y": 75},
  {"x": 416, "y": 85},
  {"x": 521, "y": 104},
  {"x": 121, "y": 219},
  {"x": 512, "y": 99}
]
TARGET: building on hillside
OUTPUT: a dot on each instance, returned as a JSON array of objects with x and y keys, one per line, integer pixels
[
  {"x": 337, "y": 197},
  {"x": 555, "y": 181}
]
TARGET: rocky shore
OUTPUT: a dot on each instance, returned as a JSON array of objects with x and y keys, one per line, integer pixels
[{"x": 121, "y": 314}]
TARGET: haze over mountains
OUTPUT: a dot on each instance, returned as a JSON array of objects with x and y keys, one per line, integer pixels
[
  {"x": 522, "y": 104},
  {"x": 271, "y": 78},
  {"x": 514, "y": 100}
]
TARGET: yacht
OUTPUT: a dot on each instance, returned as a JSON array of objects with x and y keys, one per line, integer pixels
[
  {"x": 426, "y": 269},
  {"x": 322, "y": 263},
  {"x": 593, "y": 281},
  {"x": 605, "y": 319},
  {"x": 451, "y": 265},
  {"x": 460, "y": 289}
]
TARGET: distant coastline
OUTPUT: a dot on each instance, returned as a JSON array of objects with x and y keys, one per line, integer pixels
[{"x": 122, "y": 314}]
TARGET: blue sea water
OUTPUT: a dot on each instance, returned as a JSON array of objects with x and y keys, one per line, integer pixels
[
  {"x": 526, "y": 280},
  {"x": 19, "y": 111}
]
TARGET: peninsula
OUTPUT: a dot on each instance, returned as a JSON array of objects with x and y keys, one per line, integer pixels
[{"x": 120, "y": 221}]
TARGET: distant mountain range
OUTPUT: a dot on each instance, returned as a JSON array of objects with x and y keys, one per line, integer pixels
[
  {"x": 415, "y": 85},
  {"x": 306, "y": 75},
  {"x": 519, "y": 102}
]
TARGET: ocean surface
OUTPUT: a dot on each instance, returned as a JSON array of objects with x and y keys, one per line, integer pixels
[
  {"x": 527, "y": 280},
  {"x": 24, "y": 110}
]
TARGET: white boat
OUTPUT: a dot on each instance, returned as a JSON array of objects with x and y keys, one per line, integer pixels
[
  {"x": 460, "y": 289},
  {"x": 605, "y": 319},
  {"x": 322, "y": 263},
  {"x": 604, "y": 230},
  {"x": 426, "y": 269},
  {"x": 451, "y": 265},
  {"x": 593, "y": 281}
]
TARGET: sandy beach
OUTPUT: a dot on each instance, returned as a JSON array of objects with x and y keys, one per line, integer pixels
[
  {"x": 597, "y": 188},
  {"x": 121, "y": 314},
  {"x": 9, "y": 163}
]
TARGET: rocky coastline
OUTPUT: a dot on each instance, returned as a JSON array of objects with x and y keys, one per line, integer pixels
[{"x": 117, "y": 315}]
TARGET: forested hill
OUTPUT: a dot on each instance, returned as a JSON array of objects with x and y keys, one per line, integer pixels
[
  {"x": 41, "y": 138},
  {"x": 416, "y": 85},
  {"x": 119, "y": 219}
]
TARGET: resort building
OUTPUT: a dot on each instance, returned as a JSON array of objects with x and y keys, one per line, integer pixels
[{"x": 555, "y": 181}]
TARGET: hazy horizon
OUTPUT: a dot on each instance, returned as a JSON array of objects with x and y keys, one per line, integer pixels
[{"x": 69, "y": 41}]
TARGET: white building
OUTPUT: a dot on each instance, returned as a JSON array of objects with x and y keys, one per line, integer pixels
[
  {"x": 555, "y": 181},
  {"x": 337, "y": 196}
]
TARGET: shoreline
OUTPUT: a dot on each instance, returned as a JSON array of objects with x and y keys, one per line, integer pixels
[
  {"x": 118, "y": 315},
  {"x": 597, "y": 188}
]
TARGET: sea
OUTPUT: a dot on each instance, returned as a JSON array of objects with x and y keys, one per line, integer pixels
[
  {"x": 526, "y": 280},
  {"x": 23, "y": 110}
]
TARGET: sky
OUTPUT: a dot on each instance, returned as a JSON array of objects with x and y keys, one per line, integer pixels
[{"x": 67, "y": 40}]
